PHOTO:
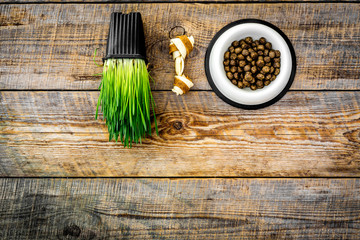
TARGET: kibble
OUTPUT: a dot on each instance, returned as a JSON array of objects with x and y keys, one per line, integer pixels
[
  {"x": 260, "y": 76},
  {"x": 247, "y": 68},
  {"x": 248, "y": 40},
  {"x": 246, "y": 84},
  {"x": 268, "y": 45},
  {"x": 244, "y": 46},
  {"x": 266, "y": 69},
  {"x": 259, "y": 84},
  {"x": 277, "y": 71},
  {"x": 251, "y": 63},
  {"x": 238, "y": 50},
  {"x": 253, "y": 55},
  {"x": 235, "y": 43},
  {"x": 240, "y": 57},
  {"x": 242, "y": 63},
  {"x": 277, "y": 53},
  {"x": 272, "y": 54},
  {"x": 236, "y": 76},
  {"x": 260, "y": 63},
  {"x": 248, "y": 76},
  {"x": 261, "y": 47},
  {"x": 253, "y": 69},
  {"x": 227, "y": 55},
  {"x": 233, "y": 69}
]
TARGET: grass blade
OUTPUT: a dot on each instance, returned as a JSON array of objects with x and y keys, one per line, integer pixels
[{"x": 125, "y": 99}]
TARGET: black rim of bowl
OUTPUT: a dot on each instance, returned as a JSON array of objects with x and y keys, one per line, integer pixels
[{"x": 245, "y": 106}]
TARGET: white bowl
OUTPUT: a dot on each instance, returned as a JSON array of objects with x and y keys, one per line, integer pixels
[{"x": 247, "y": 98}]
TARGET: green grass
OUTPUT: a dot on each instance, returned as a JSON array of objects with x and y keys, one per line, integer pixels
[{"x": 126, "y": 100}]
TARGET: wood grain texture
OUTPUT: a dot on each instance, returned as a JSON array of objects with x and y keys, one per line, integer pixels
[
  {"x": 305, "y": 134},
  {"x": 166, "y": 1},
  {"x": 179, "y": 209},
  {"x": 51, "y": 46}
]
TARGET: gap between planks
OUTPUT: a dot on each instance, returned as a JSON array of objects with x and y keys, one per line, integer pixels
[
  {"x": 178, "y": 177},
  {"x": 184, "y": 2}
]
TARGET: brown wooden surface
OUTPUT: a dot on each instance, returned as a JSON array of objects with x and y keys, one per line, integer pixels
[
  {"x": 169, "y": 1},
  {"x": 180, "y": 209},
  {"x": 52, "y": 133},
  {"x": 51, "y": 46},
  {"x": 305, "y": 134}
]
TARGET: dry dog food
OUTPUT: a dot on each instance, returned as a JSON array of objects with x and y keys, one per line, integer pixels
[{"x": 250, "y": 63}]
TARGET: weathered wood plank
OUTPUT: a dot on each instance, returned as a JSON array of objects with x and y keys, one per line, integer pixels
[
  {"x": 305, "y": 134},
  {"x": 179, "y": 208},
  {"x": 51, "y": 46},
  {"x": 167, "y": 1}
]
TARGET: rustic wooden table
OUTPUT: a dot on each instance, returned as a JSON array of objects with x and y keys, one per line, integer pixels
[{"x": 289, "y": 171}]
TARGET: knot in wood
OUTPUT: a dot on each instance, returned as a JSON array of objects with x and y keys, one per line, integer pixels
[
  {"x": 72, "y": 230},
  {"x": 178, "y": 125}
]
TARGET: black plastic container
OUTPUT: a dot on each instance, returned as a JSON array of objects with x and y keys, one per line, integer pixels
[{"x": 126, "y": 36}]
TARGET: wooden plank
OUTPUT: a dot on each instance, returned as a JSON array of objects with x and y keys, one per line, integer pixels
[
  {"x": 51, "y": 46},
  {"x": 179, "y": 208},
  {"x": 167, "y": 1},
  {"x": 305, "y": 134}
]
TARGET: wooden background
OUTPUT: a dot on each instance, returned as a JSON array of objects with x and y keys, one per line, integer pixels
[{"x": 289, "y": 171}]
